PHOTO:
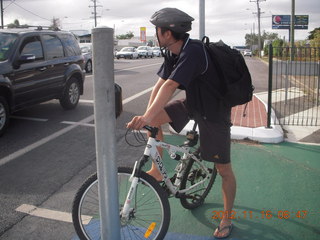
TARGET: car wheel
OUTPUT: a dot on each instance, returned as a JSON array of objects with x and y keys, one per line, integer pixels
[
  {"x": 88, "y": 67},
  {"x": 4, "y": 115},
  {"x": 71, "y": 94},
  {"x": 131, "y": 56}
]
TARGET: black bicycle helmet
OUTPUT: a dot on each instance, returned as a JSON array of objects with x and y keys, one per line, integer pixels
[{"x": 173, "y": 19}]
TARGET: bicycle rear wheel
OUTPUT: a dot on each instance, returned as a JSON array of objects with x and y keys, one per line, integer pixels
[
  {"x": 148, "y": 219},
  {"x": 194, "y": 174}
]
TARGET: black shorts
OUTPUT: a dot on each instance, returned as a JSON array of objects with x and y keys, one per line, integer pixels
[{"x": 214, "y": 137}]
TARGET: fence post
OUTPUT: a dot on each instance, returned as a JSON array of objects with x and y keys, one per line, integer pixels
[
  {"x": 270, "y": 86},
  {"x": 104, "y": 113},
  {"x": 286, "y": 82},
  {"x": 318, "y": 83}
]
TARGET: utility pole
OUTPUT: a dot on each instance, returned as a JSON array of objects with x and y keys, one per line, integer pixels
[
  {"x": 259, "y": 30},
  {"x": 292, "y": 29},
  {"x": 95, "y": 11},
  {"x": 201, "y": 19},
  {"x": 1, "y": 13}
]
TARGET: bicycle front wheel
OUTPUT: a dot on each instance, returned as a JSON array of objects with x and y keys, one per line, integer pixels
[
  {"x": 193, "y": 175},
  {"x": 149, "y": 215}
]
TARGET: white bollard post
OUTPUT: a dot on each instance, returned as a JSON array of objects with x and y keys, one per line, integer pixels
[{"x": 104, "y": 112}]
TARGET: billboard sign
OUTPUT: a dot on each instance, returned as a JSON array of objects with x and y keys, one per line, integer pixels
[
  {"x": 143, "y": 35},
  {"x": 284, "y": 21}
]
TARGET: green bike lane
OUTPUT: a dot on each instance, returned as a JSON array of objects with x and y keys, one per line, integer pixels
[{"x": 278, "y": 195}]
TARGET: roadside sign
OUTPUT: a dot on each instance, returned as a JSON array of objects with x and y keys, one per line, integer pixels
[
  {"x": 143, "y": 35},
  {"x": 284, "y": 21}
]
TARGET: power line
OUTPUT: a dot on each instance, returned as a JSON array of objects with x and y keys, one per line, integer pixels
[{"x": 30, "y": 12}]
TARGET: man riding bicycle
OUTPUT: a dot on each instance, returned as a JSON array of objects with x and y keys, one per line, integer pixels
[{"x": 186, "y": 66}]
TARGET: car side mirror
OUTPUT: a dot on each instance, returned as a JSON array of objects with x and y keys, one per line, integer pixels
[{"x": 26, "y": 58}]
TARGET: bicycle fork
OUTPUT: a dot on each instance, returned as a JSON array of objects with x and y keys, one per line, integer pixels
[{"x": 125, "y": 212}]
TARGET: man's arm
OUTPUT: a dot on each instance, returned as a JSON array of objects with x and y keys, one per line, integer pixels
[
  {"x": 161, "y": 99},
  {"x": 155, "y": 91}
]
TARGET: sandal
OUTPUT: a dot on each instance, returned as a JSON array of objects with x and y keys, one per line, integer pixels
[{"x": 229, "y": 227}]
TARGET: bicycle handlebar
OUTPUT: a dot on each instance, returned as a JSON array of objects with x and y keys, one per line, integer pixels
[{"x": 152, "y": 130}]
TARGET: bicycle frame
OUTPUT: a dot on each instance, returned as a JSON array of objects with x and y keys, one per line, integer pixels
[{"x": 152, "y": 151}]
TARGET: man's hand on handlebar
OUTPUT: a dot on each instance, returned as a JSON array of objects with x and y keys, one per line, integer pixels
[{"x": 138, "y": 122}]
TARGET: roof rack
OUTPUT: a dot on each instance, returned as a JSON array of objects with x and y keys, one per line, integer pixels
[{"x": 45, "y": 27}]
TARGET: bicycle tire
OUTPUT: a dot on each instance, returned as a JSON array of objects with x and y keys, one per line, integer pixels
[
  {"x": 150, "y": 202},
  {"x": 192, "y": 175}
]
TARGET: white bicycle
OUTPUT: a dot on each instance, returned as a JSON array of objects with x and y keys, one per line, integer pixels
[{"x": 144, "y": 207}]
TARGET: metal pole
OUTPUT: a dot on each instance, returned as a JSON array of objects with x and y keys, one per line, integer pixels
[
  {"x": 95, "y": 12},
  {"x": 201, "y": 19},
  {"x": 259, "y": 31},
  {"x": 286, "y": 84},
  {"x": 104, "y": 112},
  {"x": 292, "y": 29},
  {"x": 270, "y": 87},
  {"x": 2, "y": 14}
]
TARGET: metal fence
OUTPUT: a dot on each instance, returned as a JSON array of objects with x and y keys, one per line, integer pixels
[{"x": 294, "y": 76}]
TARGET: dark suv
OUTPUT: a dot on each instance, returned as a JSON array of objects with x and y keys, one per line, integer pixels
[{"x": 37, "y": 66}]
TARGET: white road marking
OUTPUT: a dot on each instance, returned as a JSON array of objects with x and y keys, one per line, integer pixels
[
  {"x": 42, "y": 141},
  {"x": 78, "y": 124},
  {"x": 129, "y": 99},
  {"x": 49, "y": 214},
  {"x": 143, "y": 66},
  {"x": 86, "y": 101},
  {"x": 30, "y": 118}
]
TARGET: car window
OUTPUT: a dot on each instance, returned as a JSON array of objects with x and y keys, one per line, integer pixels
[
  {"x": 71, "y": 45},
  {"x": 32, "y": 45},
  {"x": 6, "y": 42},
  {"x": 126, "y": 50},
  {"x": 53, "y": 46}
]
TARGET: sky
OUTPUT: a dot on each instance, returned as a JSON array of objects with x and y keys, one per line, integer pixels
[{"x": 227, "y": 20}]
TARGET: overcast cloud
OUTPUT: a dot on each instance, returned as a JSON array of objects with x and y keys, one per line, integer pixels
[{"x": 228, "y": 20}]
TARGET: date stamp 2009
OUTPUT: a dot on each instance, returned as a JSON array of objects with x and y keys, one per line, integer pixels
[{"x": 265, "y": 214}]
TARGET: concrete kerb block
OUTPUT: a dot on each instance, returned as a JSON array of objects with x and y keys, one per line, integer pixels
[{"x": 274, "y": 134}]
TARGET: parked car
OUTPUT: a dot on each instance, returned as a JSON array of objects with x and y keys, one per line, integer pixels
[
  {"x": 156, "y": 51},
  {"x": 145, "y": 51},
  {"x": 247, "y": 53},
  {"x": 86, "y": 50},
  {"x": 127, "y": 52},
  {"x": 37, "y": 66}
]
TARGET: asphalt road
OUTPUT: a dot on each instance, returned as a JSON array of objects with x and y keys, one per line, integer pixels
[{"x": 48, "y": 152}]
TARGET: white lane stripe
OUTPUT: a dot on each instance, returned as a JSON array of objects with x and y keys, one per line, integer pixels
[
  {"x": 129, "y": 99},
  {"x": 86, "y": 101},
  {"x": 78, "y": 124},
  {"x": 30, "y": 118},
  {"x": 42, "y": 141},
  {"x": 126, "y": 69},
  {"x": 59, "y": 133},
  {"x": 49, "y": 214}
]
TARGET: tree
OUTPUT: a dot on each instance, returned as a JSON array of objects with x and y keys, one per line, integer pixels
[
  {"x": 55, "y": 24},
  {"x": 128, "y": 35},
  {"x": 313, "y": 33},
  {"x": 16, "y": 24}
]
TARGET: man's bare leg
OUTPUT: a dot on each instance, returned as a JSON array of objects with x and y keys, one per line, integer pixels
[
  {"x": 161, "y": 119},
  {"x": 229, "y": 194}
]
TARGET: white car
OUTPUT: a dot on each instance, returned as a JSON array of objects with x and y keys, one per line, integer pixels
[
  {"x": 86, "y": 50},
  {"x": 145, "y": 51},
  {"x": 156, "y": 51},
  {"x": 247, "y": 53},
  {"x": 127, "y": 52}
]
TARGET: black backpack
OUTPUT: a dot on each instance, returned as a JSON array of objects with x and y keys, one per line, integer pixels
[{"x": 232, "y": 71}]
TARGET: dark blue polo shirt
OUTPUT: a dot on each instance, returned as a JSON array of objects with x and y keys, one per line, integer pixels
[{"x": 195, "y": 72}]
